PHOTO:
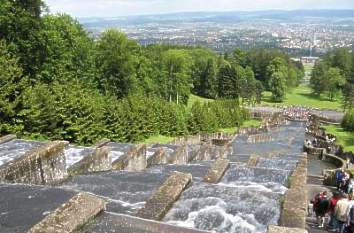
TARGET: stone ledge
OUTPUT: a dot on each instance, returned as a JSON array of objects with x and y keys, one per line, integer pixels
[
  {"x": 217, "y": 171},
  {"x": 98, "y": 161},
  {"x": 165, "y": 196},
  {"x": 44, "y": 165},
  {"x": 253, "y": 161},
  {"x": 278, "y": 229},
  {"x": 133, "y": 160},
  {"x": 102, "y": 143},
  {"x": 180, "y": 156},
  {"x": 293, "y": 218},
  {"x": 7, "y": 138},
  {"x": 71, "y": 215},
  {"x": 140, "y": 224},
  {"x": 158, "y": 158}
]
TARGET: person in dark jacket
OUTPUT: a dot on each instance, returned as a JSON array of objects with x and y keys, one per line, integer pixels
[{"x": 322, "y": 209}]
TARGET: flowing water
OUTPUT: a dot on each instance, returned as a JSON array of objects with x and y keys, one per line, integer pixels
[
  {"x": 15, "y": 149},
  {"x": 248, "y": 198}
]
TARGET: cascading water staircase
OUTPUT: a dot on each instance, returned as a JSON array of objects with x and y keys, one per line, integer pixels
[{"x": 247, "y": 199}]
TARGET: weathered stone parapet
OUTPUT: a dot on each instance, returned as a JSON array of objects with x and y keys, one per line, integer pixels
[
  {"x": 293, "y": 213},
  {"x": 158, "y": 158},
  {"x": 278, "y": 229},
  {"x": 71, "y": 215},
  {"x": 180, "y": 156},
  {"x": 44, "y": 165},
  {"x": 164, "y": 197},
  {"x": 294, "y": 218},
  {"x": 134, "y": 160},
  {"x": 313, "y": 150},
  {"x": 252, "y": 130},
  {"x": 202, "y": 138},
  {"x": 98, "y": 161},
  {"x": 193, "y": 152},
  {"x": 220, "y": 142},
  {"x": 7, "y": 138},
  {"x": 125, "y": 221},
  {"x": 204, "y": 153},
  {"x": 253, "y": 161},
  {"x": 217, "y": 171},
  {"x": 102, "y": 143},
  {"x": 255, "y": 138}
]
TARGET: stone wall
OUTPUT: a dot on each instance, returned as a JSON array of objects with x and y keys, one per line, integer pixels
[
  {"x": 72, "y": 215},
  {"x": 253, "y": 161},
  {"x": 134, "y": 160},
  {"x": 180, "y": 156},
  {"x": 202, "y": 138},
  {"x": 7, "y": 138},
  {"x": 164, "y": 197},
  {"x": 158, "y": 158},
  {"x": 44, "y": 165},
  {"x": 255, "y": 138},
  {"x": 102, "y": 143},
  {"x": 278, "y": 229},
  {"x": 99, "y": 161},
  {"x": 204, "y": 153},
  {"x": 217, "y": 171},
  {"x": 294, "y": 209},
  {"x": 144, "y": 225}
]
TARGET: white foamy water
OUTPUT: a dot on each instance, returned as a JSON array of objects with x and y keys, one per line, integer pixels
[
  {"x": 226, "y": 208},
  {"x": 14, "y": 149},
  {"x": 116, "y": 155},
  {"x": 74, "y": 155}
]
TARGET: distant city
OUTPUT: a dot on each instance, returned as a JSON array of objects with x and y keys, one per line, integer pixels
[{"x": 300, "y": 33}]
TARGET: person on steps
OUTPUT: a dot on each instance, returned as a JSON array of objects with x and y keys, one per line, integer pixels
[
  {"x": 333, "y": 224},
  {"x": 341, "y": 211},
  {"x": 321, "y": 210}
]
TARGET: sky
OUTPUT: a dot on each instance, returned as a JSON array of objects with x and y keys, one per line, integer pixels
[{"x": 112, "y": 8}]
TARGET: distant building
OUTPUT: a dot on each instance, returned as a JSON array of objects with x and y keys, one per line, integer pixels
[{"x": 309, "y": 60}]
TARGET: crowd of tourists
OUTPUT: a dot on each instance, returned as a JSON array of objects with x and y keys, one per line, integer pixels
[
  {"x": 339, "y": 208},
  {"x": 296, "y": 112}
]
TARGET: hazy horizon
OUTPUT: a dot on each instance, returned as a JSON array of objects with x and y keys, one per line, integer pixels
[{"x": 117, "y": 8}]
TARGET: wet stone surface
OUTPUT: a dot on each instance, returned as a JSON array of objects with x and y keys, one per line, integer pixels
[
  {"x": 126, "y": 192},
  {"x": 22, "y": 206},
  {"x": 15, "y": 149},
  {"x": 286, "y": 140},
  {"x": 316, "y": 167},
  {"x": 118, "y": 149},
  {"x": 74, "y": 154}
]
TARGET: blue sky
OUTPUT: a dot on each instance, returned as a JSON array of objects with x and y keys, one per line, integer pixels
[{"x": 111, "y": 8}]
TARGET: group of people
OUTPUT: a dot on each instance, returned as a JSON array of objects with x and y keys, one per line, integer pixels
[
  {"x": 297, "y": 113},
  {"x": 344, "y": 183},
  {"x": 339, "y": 208}
]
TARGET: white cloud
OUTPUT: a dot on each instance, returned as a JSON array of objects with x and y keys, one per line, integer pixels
[{"x": 82, "y": 8}]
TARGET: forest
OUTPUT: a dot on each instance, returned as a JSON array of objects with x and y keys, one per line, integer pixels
[
  {"x": 334, "y": 75},
  {"x": 58, "y": 82}
]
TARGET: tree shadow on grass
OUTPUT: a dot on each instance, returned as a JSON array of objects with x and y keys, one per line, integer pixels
[{"x": 315, "y": 97}]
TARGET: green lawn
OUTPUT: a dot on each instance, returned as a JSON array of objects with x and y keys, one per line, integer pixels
[
  {"x": 248, "y": 123},
  {"x": 346, "y": 139},
  {"x": 302, "y": 96},
  {"x": 158, "y": 139}
]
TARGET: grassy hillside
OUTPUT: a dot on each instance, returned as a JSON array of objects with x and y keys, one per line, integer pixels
[
  {"x": 346, "y": 139},
  {"x": 302, "y": 96}
]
